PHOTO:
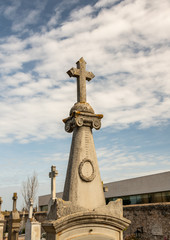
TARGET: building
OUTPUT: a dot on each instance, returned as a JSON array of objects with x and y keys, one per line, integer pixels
[{"x": 141, "y": 190}]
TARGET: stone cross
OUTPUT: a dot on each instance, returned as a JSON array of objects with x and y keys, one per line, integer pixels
[
  {"x": 30, "y": 208},
  {"x": 82, "y": 75},
  {"x": 0, "y": 204},
  {"x": 53, "y": 175},
  {"x": 14, "y": 198}
]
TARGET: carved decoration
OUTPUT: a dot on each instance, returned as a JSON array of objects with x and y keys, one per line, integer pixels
[
  {"x": 82, "y": 119},
  {"x": 86, "y": 170}
]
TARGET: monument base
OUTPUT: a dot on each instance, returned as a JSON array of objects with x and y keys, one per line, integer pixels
[
  {"x": 14, "y": 225},
  {"x": 33, "y": 230},
  {"x": 103, "y": 223}
]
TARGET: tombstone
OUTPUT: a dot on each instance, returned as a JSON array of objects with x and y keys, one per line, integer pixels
[
  {"x": 2, "y": 221},
  {"x": 52, "y": 175},
  {"x": 33, "y": 227},
  {"x": 83, "y": 213},
  {"x": 14, "y": 221}
]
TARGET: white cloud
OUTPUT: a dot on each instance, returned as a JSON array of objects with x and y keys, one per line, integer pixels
[
  {"x": 121, "y": 162},
  {"x": 125, "y": 45},
  {"x": 105, "y": 3}
]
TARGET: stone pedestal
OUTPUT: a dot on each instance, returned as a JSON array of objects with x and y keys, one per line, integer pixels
[
  {"x": 103, "y": 223},
  {"x": 14, "y": 225},
  {"x": 33, "y": 230}
]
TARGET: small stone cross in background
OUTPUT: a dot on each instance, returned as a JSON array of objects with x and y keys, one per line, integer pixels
[
  {"x": 14, "y": 198},
  {"x": 30, "y": 208},
  {"x": 82, "y": 75},
  {"x": 53, "y": 175}
]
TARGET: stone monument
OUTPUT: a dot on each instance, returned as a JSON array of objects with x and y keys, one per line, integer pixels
[
  {"x": 2, "y": 221},
  {"x": 52, "y": 175},
  {"x": 33, "y": 228},
  {"x": 83, "y": 213},
  {"x": 14, "y": 221}
]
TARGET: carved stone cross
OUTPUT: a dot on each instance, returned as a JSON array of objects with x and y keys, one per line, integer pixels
[
  {"x": 30, "y": 208},
  {"x": 14, "y": 201},
  {"x": 53, "y": 175},
  {"x": 82, "y": 75}
]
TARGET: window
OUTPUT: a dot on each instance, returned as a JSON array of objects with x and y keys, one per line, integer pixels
[
  {"x": 166, "y": 196},
  {"x": 143, "y": 198},
  {"x": 44, "y": 208}
]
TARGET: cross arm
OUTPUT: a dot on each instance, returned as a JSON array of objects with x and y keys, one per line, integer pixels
[
  {"x": 74, "y": 72},
  {"x": 89, "y": 75}
]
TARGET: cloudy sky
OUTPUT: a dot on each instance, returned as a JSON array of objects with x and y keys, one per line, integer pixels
[{"x": 126, "y": 44}]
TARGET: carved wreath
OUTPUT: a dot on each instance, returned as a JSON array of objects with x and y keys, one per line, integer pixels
[{"x": 83, "y": 176}]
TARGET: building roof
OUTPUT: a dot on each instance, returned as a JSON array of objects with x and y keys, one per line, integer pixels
[{"x": 159, "y": 182}]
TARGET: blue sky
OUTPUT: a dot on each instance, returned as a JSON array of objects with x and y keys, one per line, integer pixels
[{"x": 126, "y": 44}]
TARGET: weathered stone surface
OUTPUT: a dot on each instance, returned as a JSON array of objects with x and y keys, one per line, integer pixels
[
  {"x": 14, "y": 221},
  {"x": 30, "y": 208},
  {"x": 157, "y": 229},
  {"x": 81, "y": 107},
  {"x": 79, "y": 119},
  {"x": 53, "y": 175},
  {"x": 113, "y": 208},
  {"x": 61, "y": 208},
  {"x": 77, "y": 189},
  {"x": 33, "y": 228},
  {"x": 22, "y": 223},
  {"x": 69, "y": 221},
  {"x": 86, "y": 225},
  {"x": 1, "y": 230},
  {"x": 153, "y": 218},
  {"x": 82, "y": 75}
]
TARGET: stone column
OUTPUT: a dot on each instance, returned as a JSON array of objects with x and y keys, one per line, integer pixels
[
  {"x": 2, "y": 221},
  {"x": 30, "y": 208},
  {"x": 33, "y": 227},
  {"x": 14, "y": 221}
]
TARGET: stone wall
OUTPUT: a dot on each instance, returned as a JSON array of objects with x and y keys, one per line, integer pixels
[{"x": 154, "y": 219}]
